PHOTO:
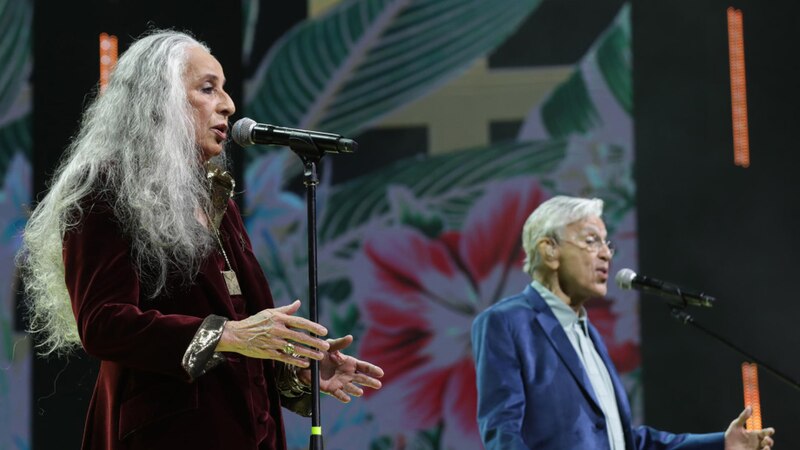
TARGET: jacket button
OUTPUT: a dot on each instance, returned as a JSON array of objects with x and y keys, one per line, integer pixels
[{"x": 263, "y": 417}]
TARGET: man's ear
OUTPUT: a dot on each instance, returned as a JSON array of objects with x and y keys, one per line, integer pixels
[{"x": 549, "y": 253}]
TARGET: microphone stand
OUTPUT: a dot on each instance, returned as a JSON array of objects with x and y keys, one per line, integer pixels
[
  {"x": 679, "y": 313},
  {"x": 310, "y": 180}
]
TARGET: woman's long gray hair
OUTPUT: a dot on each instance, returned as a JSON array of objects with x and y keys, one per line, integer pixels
[{"x": 136, "y": 142}]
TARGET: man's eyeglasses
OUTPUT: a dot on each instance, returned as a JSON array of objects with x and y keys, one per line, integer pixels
[{"x": 592, "y": 243}]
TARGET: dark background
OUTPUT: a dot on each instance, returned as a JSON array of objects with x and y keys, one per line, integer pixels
[
  {"x": 703, "y": 222},
  {"x": 708, "y": 224}
]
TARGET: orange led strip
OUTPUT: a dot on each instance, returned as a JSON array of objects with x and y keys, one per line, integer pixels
[
  {"x": 108, "y": 57},
  {"x": 751, "y": 395},
  {"x": 741, "y": 139}
]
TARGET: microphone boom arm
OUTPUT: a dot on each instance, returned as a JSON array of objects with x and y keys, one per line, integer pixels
[{"x": 684, "y": 317}]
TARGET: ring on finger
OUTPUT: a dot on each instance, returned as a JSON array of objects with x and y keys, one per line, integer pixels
[{"x": 288, "y": 349}]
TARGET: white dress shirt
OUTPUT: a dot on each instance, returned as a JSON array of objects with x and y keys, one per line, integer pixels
[{"x": 576, "y": 327}]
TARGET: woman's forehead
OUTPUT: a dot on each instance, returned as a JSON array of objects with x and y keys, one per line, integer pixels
[{"x": 202, "y": 65}]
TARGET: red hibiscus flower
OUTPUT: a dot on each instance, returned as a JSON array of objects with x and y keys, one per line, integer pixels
[{"x": 420, "y": 295}]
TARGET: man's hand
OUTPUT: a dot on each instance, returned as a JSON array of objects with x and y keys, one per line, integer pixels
[{"x": 739, "y": 438}]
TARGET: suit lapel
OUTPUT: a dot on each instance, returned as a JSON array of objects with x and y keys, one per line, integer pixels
[{"x": 560, "y": 342}]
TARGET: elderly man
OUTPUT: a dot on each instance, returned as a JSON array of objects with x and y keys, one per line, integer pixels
[{"x": 545, "y": 380}]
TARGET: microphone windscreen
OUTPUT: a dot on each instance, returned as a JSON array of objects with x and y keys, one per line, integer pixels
[
  {"x": 347, "y": 145},
  {"x": 242, "y": 131},
  {"x": 625, "y": 278}
]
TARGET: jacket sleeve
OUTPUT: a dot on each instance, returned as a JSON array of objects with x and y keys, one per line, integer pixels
[
  {"x": 501, "y": 394},
  {"x": 104, "y": 289},
  {"x": 647, "y": 438}
]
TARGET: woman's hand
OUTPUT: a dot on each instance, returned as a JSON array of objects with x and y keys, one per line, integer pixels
[
  {"x": 340, "y": 375},
  {"x": 273, "y": 334}
]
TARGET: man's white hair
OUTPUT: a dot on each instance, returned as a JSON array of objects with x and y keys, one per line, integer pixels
[
  {"x": 136, "y": 149},
  {"x": 549, "y": 219}
]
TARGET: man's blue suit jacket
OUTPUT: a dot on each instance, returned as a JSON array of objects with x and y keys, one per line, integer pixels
[{"x": 533, "y": 392}]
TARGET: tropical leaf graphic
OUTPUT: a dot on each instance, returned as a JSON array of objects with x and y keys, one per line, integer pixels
[
  {"x": 614, "y": 60},
  {"x": 597, "y": 98},
  {"x": 14, "y": 196},
  {"x": 569, "y": 110},
  {"x": 448, "y": 183},
  {"x": 592, "y": 109},
  {"x": 345, "y": 70},
  {"x": 16, "y": 18},
  {"x": 15, "y": 349},
  {"x": 443, "y": 189},
  {"x": 15, "y": 137},
  {"x": 249, "y": 26}
]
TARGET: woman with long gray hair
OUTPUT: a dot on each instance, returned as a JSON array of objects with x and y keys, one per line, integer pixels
[{"x": 138, "y": 255}]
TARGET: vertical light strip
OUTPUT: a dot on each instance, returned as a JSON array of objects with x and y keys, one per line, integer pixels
[
  {"x": 741, "y": 139},
  {"x": 751, "y": 395},
  {"x": 108, "y": 57}
]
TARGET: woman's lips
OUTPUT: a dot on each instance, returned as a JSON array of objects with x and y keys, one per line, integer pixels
[{"x": 220, "y": 133}]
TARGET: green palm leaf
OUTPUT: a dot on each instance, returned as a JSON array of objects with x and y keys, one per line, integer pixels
[
  {"x": 15, "y": 49},
  {"x": 570, "y": 109},
  {"x": 364, "y": 59},
  {"x": 447, "y": 183},
  {"x": 614, "y": 59}
]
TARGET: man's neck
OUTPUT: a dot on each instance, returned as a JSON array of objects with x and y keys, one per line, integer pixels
[{"x": 551, "y": 282}]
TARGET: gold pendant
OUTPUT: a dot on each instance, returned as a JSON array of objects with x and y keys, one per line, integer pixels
[{"x": 232, "y": 282}]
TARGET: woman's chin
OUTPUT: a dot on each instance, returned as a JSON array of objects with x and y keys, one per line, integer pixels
[{"x": 209, "y": 153}]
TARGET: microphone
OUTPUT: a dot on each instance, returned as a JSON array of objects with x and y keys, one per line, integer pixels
[
  {"x": 247, "y": 132},
  {"x": 627, "y": 279}
]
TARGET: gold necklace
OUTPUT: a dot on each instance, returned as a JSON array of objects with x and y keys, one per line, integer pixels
[
  {"x": 221, "y": 185},
  {"x": 231, "y": 282}
]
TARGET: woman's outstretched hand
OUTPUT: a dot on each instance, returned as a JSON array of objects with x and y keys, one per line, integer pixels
[
  {"x": 277, "y": 334},
  {"x": 341, "y": 375}
]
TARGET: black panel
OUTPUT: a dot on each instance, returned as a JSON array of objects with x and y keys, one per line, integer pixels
[
  {"x": 708, "y": 224},
  {"x": 558, "y": 32},
  {"x": 273, "y": 22},
  {"x": 504, "y": 130}
]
